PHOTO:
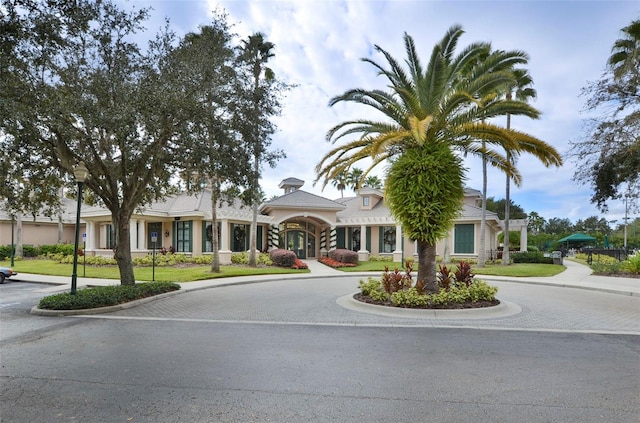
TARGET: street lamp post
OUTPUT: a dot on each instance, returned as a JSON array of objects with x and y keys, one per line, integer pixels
[{"x": 81, "y": 173}]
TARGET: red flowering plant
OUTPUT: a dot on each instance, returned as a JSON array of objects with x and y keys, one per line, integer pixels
[
  {"x": 299, "y": 264},
  {"x": 334, "y": 263}
]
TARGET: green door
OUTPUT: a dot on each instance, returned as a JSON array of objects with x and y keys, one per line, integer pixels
[{"x": 296, "y": 243}]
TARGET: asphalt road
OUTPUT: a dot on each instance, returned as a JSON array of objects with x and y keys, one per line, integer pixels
[{"x": 148, "y": 364}]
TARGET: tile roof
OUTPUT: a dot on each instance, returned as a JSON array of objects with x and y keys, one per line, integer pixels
[{"x": 302, "y": 199}]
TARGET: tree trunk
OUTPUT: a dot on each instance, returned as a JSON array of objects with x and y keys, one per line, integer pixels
[
  {"x": 427, "y": 266},
  {"x": 19, "y": 250},
  {"x": 483, "y": 219},
  {"x": 506, "y": 260},
  {"x": 60, "y": 223},
  {"x": 215, "y": 254},
  {"x": 253, "y": 232},
  {"x": 121, "y": 222}
]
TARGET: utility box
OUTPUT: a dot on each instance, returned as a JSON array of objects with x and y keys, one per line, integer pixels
[{"x": 557, "y": 257}]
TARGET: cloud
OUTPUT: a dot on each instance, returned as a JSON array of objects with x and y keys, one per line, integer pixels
[{"x": 319, "y": 45}]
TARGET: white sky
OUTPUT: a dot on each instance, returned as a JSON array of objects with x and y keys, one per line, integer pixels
[{"x": 319, "y": 44}]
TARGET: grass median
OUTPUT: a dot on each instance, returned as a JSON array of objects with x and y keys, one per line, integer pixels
[{"x": 178, "y": 273}]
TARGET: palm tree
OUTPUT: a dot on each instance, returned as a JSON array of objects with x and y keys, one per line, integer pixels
[
  {"x": 256, "y": 52},
  {"x": 354, "y": 178},
  {"x": 536, "y": 222},
  {"x": 521, "y": 90},
  {"x": 425, "y": 109},
  {"x": 340, "y": 182},
  {"x": 625, "y": 53},
  {"x": 372, "y": 181},
  {"x": 498, "y": 61}
]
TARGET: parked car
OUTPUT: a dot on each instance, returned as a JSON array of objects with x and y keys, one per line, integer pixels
[{"x": 5, "y": 272}]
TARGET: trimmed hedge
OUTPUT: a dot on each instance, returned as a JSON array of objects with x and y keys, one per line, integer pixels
[
  {"x": 531, "y": 257},
  {"x": 104, "y": 296},
  {"x": 283, "y": 258},
  {"x": 344, "y": 256}
]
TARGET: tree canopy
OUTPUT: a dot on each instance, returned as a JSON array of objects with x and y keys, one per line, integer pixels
[
  {"x": 608, "y": 155},
  {"x": 76, "y": 86}
]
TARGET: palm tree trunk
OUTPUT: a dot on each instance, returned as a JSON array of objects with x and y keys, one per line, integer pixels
[
  {"x": 427, "y": 266},
  {"x": 506, "y": 260},
  {"x": 253, "y": 233},
  {"x": 483, "y": 220}
]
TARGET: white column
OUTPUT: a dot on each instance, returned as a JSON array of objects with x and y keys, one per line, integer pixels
[
  {"x": 91, "y": 236},
  {"x": 397, "y": 254},
  {"x": 415, "y": 249},
  {"x": 142, "y": 236},
  {"x": 363, "y": 254},
  {"x": 224, "y": 251},
  {"x": 523, "y": 238},
  {"x": 133, "y": 234}
]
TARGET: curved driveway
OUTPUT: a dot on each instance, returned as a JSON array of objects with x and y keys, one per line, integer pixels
[{"x": 314, "y": 301}]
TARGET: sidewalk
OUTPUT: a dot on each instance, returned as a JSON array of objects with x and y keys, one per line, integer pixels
[
  {"x": 575, "y": 276},
  {"x": 579, "y": 276}
]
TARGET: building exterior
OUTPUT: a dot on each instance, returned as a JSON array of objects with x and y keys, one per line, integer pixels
[{"x": 308, "y": 224}]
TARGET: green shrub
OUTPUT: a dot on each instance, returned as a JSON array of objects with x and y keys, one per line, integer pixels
[
  {"x": 30, "y": 251},
  {"x": 90, "y": 260},
  {"x": 373, "y": 289},
  {"x": 531, "y": 257},
  {"x": 477, "y": 291},
  {"x": 632, "y": 264},
  {"x": 615, "y": 268},
  {"x": 604, "y": 259},
  {"x": 63, "y": 249},
  {"x": 204, "y": 259},
  {"x": 243, "y": 258},
  {"x": 104, "y": 296},
  {"x": 410, "y": 298},
  {"x": 381, "y": 258}
]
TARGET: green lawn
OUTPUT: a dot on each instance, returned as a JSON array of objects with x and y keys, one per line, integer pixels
[
  {"x": 515, "y": 270},
  {"x": 168, "y": 274},
  {"x": 195, "y": 273}
]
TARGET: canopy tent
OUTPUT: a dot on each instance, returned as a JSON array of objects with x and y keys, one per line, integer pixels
[
  {"x": 577, "y": 237},
  {"x": 575, "y": 240}
]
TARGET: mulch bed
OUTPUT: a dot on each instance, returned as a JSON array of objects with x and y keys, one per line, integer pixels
[{"x": 453, "y": 306}]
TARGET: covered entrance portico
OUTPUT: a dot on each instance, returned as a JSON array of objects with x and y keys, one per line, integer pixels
[{"x": 300, "y": 237}]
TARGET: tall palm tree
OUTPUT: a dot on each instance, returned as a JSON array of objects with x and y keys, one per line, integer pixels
[
  {"x": 521, "y": 90},
  {"x": 499, "y": 61},
  {"x": 340, "y": 182},
  {"x": 625, "y": 53},
  {"x": 354, "y": 178},
  {"x": 372, "y": 181},
  {"x": 256, "y": 52},
  {"x": 425, "y": 108}
]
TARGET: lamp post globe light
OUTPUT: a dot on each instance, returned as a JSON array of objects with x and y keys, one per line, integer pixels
[{"x": 80, "y": 172}]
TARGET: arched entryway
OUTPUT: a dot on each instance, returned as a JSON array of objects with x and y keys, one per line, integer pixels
[{"x": 299, "y": 236}]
